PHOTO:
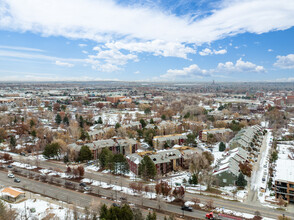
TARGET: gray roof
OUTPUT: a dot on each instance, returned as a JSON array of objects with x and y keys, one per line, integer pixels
[{"x": 165, "y": 156}]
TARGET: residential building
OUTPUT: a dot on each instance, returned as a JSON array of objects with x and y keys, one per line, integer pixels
[
  {"x": 203, "y": 135},
  {"x": 227, "y": 168},
  {"x": 171, "y": 140}
]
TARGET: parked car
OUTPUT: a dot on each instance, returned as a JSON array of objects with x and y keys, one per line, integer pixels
[
  {"x": 187, "y": 208},
  {"x": 83, "y": 184},
  {"x": 10, "y": 175},
  {"x": 115, "y": 205},
  {"x": 87, "y": 188},
  {"x": 16, "y": 180},
  {"x": 9, "y": 166}
]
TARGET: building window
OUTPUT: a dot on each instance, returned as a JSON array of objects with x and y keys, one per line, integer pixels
[{"x": 224, "y": 180}]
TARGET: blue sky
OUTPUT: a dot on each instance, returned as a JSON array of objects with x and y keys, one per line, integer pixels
[{"x": 184, "y": 40}]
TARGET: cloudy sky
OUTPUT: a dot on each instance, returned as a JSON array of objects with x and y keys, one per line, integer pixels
[{"x": 152, "y": 40}]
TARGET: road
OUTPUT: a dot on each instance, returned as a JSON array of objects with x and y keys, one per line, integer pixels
[
  {"x": 249, "y": 207},
  {"x": 253, "y": 188},
  {"x": 85, "y": 199}
]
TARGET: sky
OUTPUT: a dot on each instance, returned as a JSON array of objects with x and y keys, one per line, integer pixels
[{"x": 147, "y": 40}]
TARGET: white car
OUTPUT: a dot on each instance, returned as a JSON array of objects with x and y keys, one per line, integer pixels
[{"x": 10, "y": 175}]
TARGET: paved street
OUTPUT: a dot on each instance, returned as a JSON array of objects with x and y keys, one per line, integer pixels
[
  {"x": 248, "y": 207},
  {"x": 84, "y": 199}
]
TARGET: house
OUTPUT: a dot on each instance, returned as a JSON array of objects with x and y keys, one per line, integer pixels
[
  {"x": 203, "y": 135},
  {"x": 171, "y": 140},
  {"x": 116, "y": 145},
  {"x": 282, "y": 101},
  {"x": 227, "y": 168},
  {"x": 165, "y": 160},
  {"x": 116, "y": 99},
  {"x": 248, "y": 138},
  {"x": 12, "y": 194}
]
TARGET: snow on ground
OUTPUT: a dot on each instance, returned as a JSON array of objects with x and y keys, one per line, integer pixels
[
  {"x": 262, "y": 172},
  {"x": 232, "y": 191},
  {"x": 92, "y": 168},
  {"x": 240, "y": 214},
  {"x": 23, "y": 165},
  {"x": 55, "y": 173},
  {"x": 41, "y": 208},
  {"x": 216, "y": 153},
  {"x": 37, "y": 157},
  {"x": 226, "y": 211}
]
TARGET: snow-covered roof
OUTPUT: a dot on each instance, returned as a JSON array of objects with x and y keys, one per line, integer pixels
[
  {"x": 285, "y": 170},
  {"x": 12, "y": 192}
]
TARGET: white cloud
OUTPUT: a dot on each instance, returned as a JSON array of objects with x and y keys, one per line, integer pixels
[
  {"x": 59, "y": 63},
  {"x": 83, "y": 45},
  {"x": 85, "y": 52},
  {"x": 35, "y": 56},
  {"x": 229, "y": 67},
  {"x": 109, "y": 60},
  {"x": 208, "y": 51},
  {"x": 137, "y": 72},
  {"x": 289, "y": 79},
  {"x": 139, "y": 29},
  {"x": 223, "y": 51},
  {"x": 239, "y": 66},
  {"x": 205, "y": 52},
  {"x": 20, "y": 48},
  {"x": 157, "y": 47},
  {"x": 190, "y": 71},
  {"x": 270, "y": 50},
  {"x": 285, "y": 62},
  {"x": 103, "y": 20},
  {"x": 30, "y": 76}
]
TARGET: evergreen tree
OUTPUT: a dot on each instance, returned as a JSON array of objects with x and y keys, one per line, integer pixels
[
  {"x": 147, "y": 111},
  {"x": 105, "y": 158},
  {"x": 241, "y": 180},
  {"x": 84, "y": 135},
  {"x": 187, "y": 115},
  {"x": 221, "y": 147},
  {"x": 163, "y": 117},
  {"x": 193, "y": 179},
  {"x": 58, "y": 119},
  {"x": 151, "y": 216},
  {"x": 32, "y": 123},
  {"x": 12, "y": 142},
  {"x": 81, "y": 121},
  {"x": 100, "y": 120},
  {"x": 85, "y": 154},
  {"x": 143, "y": 123},
  {"x": 120, "y": 164},
  {"x": 103, "y": 212},
  {"x": 66, "y": 120},
  {"x": 151, "y": 121},
  {"x": 117, "y": 126},
  {"x": 191, "y": 139},
  {"x": 51, "y": 150},
  {"x": 34, "y": 133},
  {"x": 147, "y": 169}
]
